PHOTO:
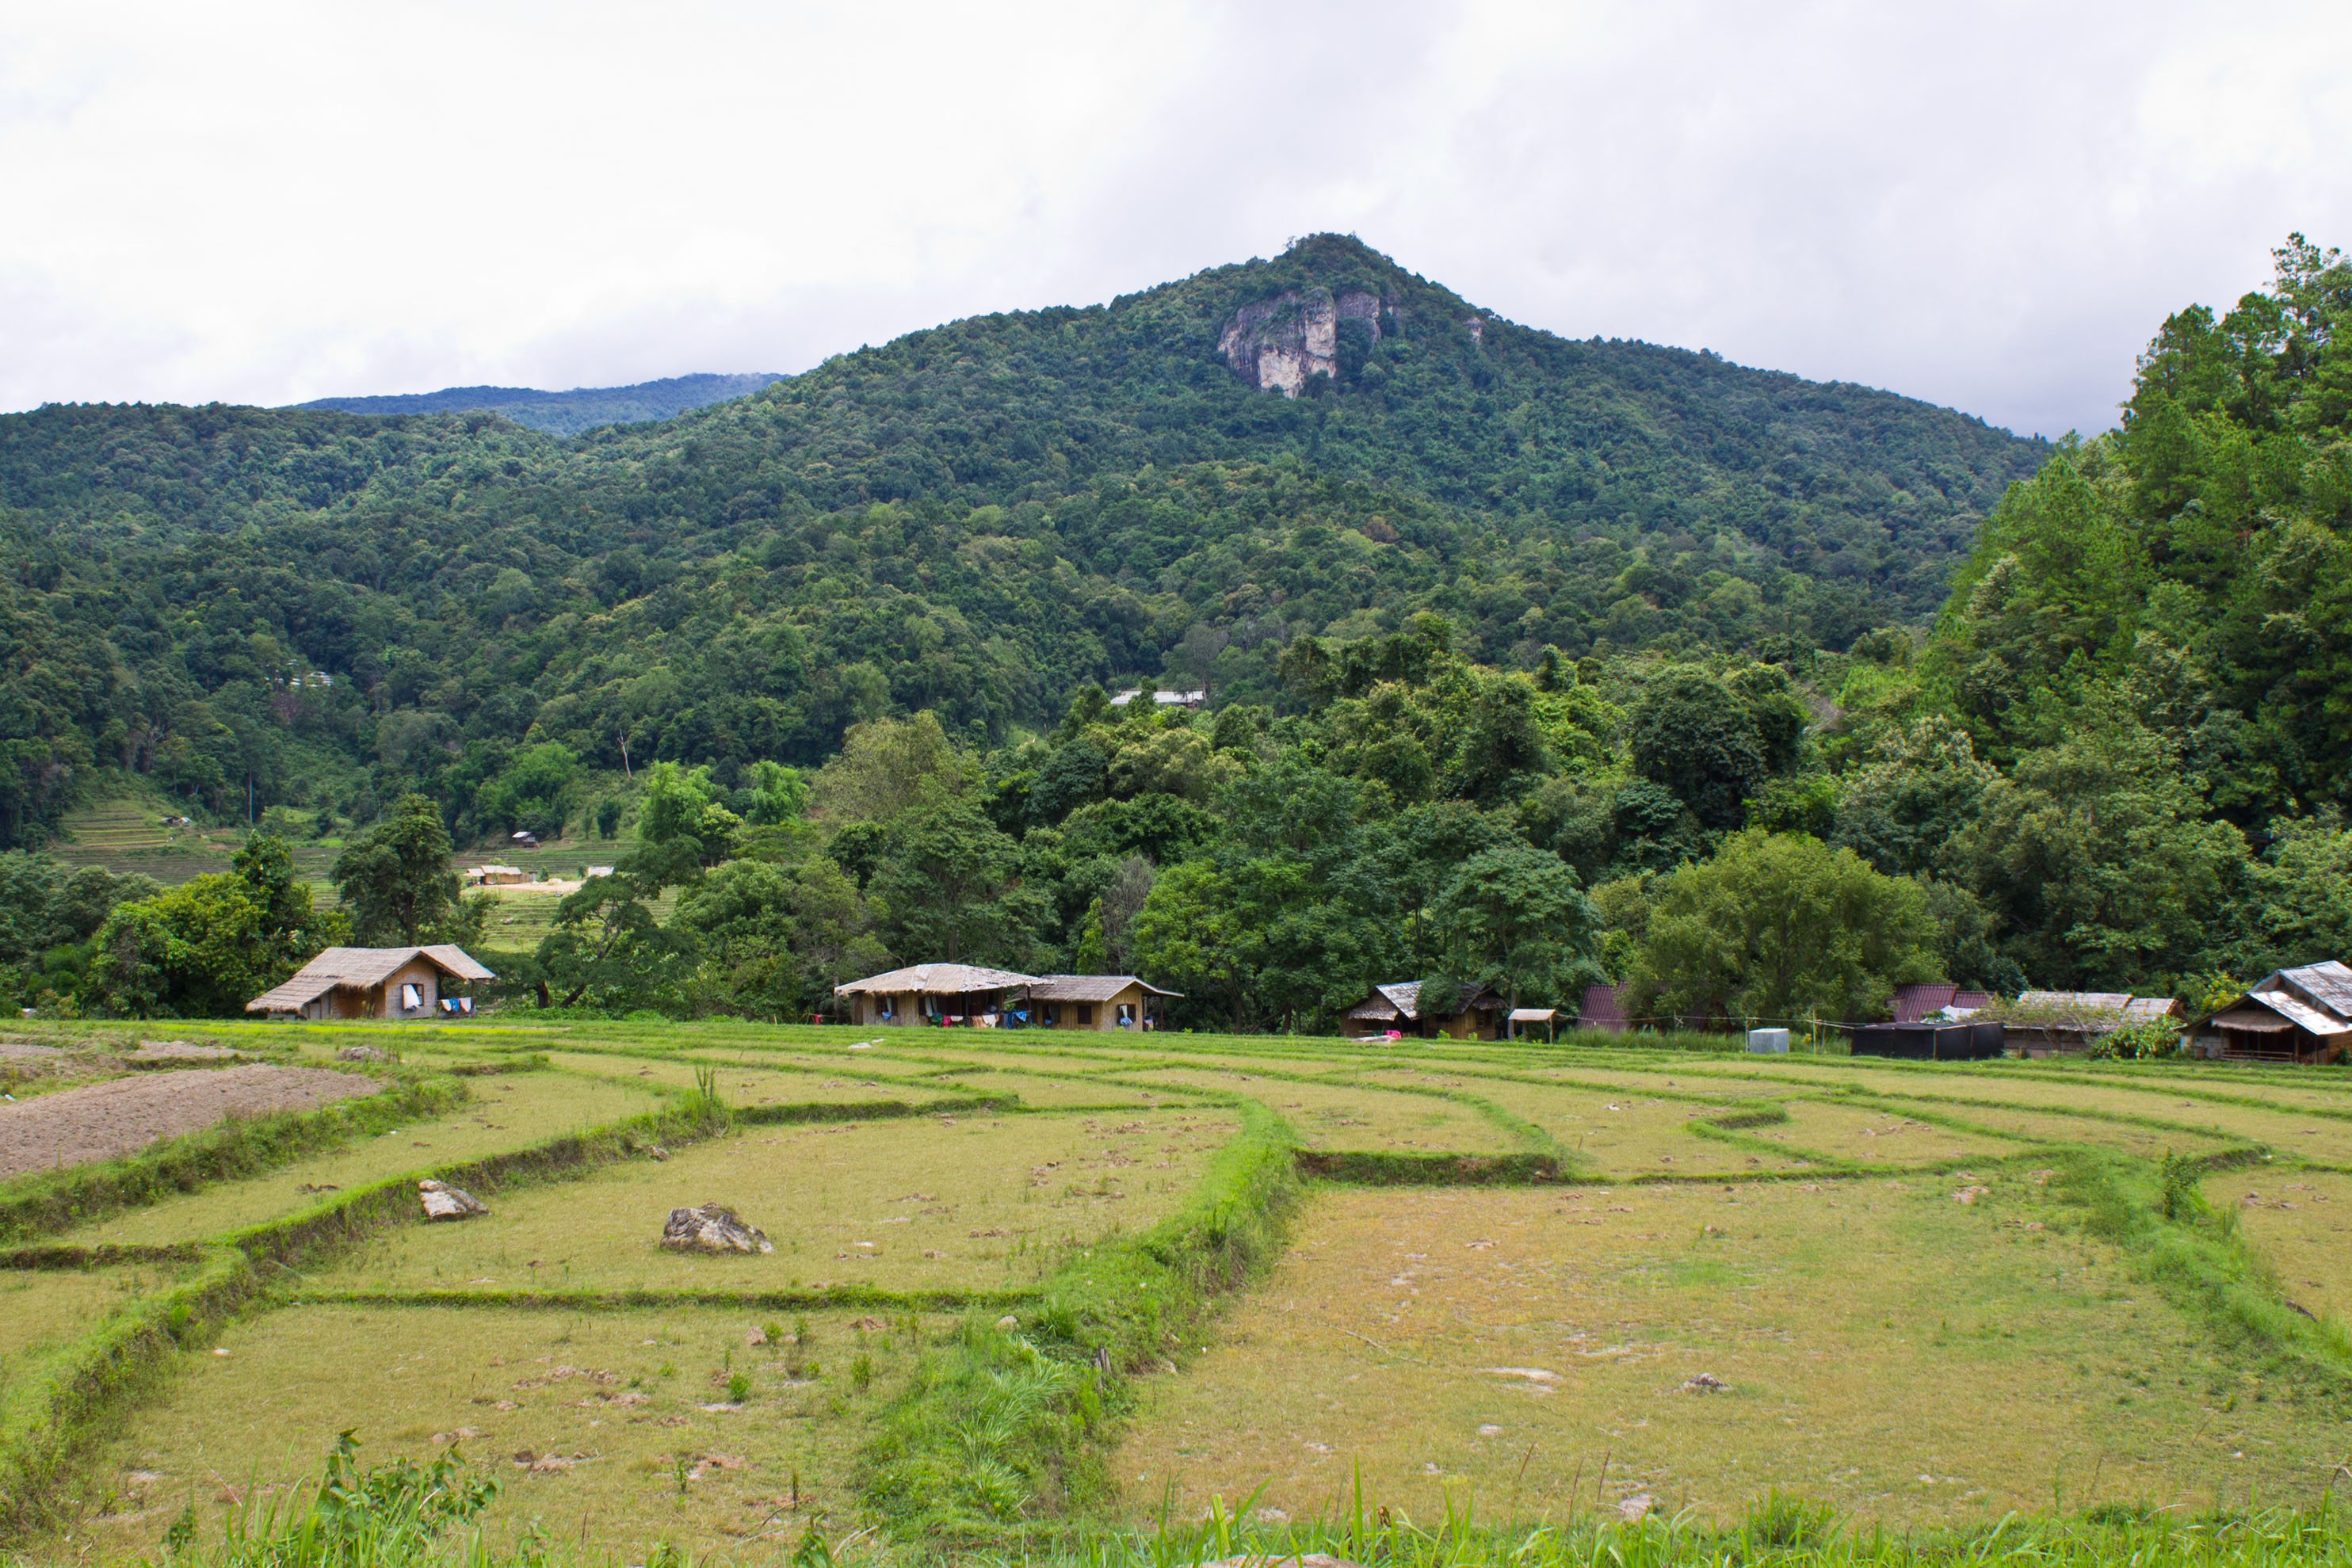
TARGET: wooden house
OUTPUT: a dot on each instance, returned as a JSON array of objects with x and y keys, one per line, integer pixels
[
  {"x": 932, "y": 993},
  {"x": 406, "y": 983},
  {"x": 2289, "y": 1015},
  {"x": 1475, "y": 1013},
  {"x": 1096, "y": 1002}
]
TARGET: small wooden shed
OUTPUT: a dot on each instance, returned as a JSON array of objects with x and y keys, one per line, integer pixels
[
  {"x": 2289, "y": 1015},
  {"x": 1477, "y": 1013},
  {"x": 403, "y": 983},
  {"x": 1096, "y": 1002},
  {"x": 932, "y": 993}
]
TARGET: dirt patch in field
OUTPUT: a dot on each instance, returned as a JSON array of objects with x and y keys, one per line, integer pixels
[{"x": 110, "y": 1119}]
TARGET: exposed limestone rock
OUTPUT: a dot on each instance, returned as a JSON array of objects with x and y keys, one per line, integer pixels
[
  {"x": 712, "y": 1228},
  {"x": 363, "y": 1054},
  {"x": 1276, "y": 344},
  {"x": 443, "y": 1201}
]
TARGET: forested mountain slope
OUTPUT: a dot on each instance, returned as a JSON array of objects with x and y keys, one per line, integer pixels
[
  {"x": 562, "y": 413},
  {"x": 307, "y": 603}
]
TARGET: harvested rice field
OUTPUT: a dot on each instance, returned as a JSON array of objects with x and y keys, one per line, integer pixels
[
  {"x": 40, "y": 1308},
  {"x": 1652, "y": 1281},
  {"x": 2299, "y": 1223},
  {"x": 621, "y": 1424},
  {"x": 1877, "y": 1345},
  {"x": 1328, "y": 1116},
  {"x": 932, "y": 1204}
]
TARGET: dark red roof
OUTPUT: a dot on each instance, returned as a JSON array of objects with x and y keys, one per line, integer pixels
[
  {"x": 1604, "y": 1008},
  {"x": 1915, "y": 1001}
]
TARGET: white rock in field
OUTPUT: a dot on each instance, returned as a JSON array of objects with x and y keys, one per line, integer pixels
[
  {"x": 1008, "y": 1323},
  {"x": 1706, "y": 1383},
  {"x": 443, "y": 1201},
  {"x": 712, "y": 1228}
]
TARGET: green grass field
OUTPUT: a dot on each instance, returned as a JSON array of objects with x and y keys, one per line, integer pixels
[{"x": 1496, "y": 1279}]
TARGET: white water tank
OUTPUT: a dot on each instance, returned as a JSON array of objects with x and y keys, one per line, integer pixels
[{"x": 1768, "y": 1041}]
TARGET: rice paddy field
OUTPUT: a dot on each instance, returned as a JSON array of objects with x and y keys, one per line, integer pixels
[{"x": 1046, "y": 1298}]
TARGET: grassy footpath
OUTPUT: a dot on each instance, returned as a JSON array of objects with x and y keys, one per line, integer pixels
[{"x": 1012, "y": 1420}]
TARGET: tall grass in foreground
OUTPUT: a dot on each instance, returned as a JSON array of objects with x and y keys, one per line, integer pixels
[{"x": 404, "y": 1515}]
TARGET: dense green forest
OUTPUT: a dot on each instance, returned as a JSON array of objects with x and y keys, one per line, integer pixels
[
  {"x": 1530, "y": 663},
  {"x": 292, "y": 605},
  {"x": 562, "y": 413}
]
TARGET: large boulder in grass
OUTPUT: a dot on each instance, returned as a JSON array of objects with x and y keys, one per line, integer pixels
[
  {"x": 443, "y": 1201},
  {"x": 712, "y": 1228}
]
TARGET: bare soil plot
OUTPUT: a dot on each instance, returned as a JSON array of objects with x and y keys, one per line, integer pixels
[
  {"x": 1878, "y": 1339},
  {"x": 2300, "y": 1223},
  {"x": 104, "y": 1120},
  {"x": 607, "y": 1406},
  {"x": 506, "y": 1112},
  {"x": 954, "y": 1203},
  {"x": 1332, "y": 1116}
]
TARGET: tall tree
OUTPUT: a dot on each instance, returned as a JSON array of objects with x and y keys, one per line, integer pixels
[
  {"x": 1780, "y": 926},
  {"x": 395, "y": 878}
]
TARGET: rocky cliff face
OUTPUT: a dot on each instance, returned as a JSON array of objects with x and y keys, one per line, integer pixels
[{"x": 1276, "y": 344}]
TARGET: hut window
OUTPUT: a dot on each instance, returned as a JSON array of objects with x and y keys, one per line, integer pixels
[
  {"x": 410, "y": 998},
  {"x": 1086, "y": 1014}
]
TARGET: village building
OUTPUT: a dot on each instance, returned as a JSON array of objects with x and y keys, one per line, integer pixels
[
  {"x": 2057, "y": 1023},
  {"x": 933, "y": 993},
  {"x": 407, "y": 983},
  {"x": 1476, "y": 1013},
  {"x": 1193, "y": 699},
  {"x": 495, "y": 875},
  {"x": 1603, "y": 1008},
  {"x": 1926, "y": 1001},
  {"x": 1095, "y": 1001},
  {"x": 2289, "y": 1015}
]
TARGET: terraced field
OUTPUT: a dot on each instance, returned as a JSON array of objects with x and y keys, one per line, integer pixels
[{"x": 1460, "y": 1275}]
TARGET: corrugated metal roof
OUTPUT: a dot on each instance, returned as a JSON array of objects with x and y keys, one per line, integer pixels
[
  {"x": 2102, "y": 1001},
  {"x": 1605, "y": 1007},
  {"x": 1534, "y": 1015},
  {"x": 2294, "y": 1009},
  {"x": 1088, "y": 987},
  {"x": 2328, "y": 984},
  {"x": 938, "y": 979},
  {"x": 1914, "y": 1001}
]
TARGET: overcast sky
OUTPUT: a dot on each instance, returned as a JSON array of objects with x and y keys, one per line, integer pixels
[{"x": 1987, "y": 205}]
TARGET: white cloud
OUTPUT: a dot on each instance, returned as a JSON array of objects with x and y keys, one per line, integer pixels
[{"x": 1989, "y": 206}]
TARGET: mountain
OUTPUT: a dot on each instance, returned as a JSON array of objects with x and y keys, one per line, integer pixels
[
  {"x": 310, "y": 604},
  {"x": 564, "y": 413}
]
